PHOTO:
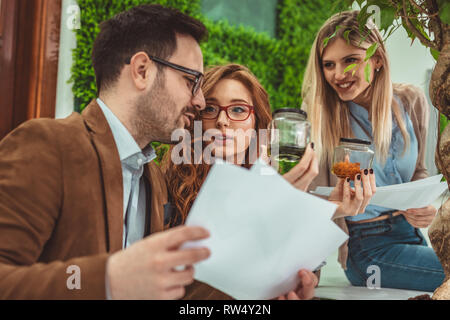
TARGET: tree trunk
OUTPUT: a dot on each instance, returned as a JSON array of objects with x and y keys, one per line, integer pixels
[
  {"x": 440, "y": 79},
  {"x": 439, "y": 231}
]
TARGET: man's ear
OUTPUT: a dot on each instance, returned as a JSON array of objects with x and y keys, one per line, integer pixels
[{"x": 143, "y": 70}]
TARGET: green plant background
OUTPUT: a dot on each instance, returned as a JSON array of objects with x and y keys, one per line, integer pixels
[{"x": 278, "y": 62}]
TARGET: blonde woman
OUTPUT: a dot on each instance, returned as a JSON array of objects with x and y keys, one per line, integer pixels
[{"x": 342, "y": 101}]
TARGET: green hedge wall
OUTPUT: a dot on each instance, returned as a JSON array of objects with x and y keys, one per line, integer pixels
[{"x": 279, "y": 62}]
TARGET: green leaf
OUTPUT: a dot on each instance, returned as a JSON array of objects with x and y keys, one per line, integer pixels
[
  {"x": 387, "y": 17},
  {"x": 371, "y": 51},
  {"x": 410, "y": 34},
  {"x": 367, "y": 72},
  {"x": 419, "y": 27},
  {"x": 444, "y": 12},
  {"x": 327, "y": 39},
  {"x": 350, "y": 67},
  {"x": 346, "y": 33},
  {"x": 444, "y": 122},
  {"x": 435, "y": 54},
  {"x": 362, "y": 18}
]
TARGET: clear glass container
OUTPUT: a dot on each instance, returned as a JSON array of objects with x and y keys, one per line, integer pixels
[
  {"x": 350, "y": 157},
  {"x": 289, "y": 135}
]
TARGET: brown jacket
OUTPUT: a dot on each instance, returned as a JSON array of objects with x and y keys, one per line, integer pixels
[
  {"x": 416, "y": 106},
  {"x": 61, "y": 205}
]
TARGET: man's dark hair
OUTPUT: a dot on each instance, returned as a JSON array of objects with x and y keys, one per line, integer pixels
[{"x": 149, "y": 28}]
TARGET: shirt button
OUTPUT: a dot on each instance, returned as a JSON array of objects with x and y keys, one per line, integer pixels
[{"x": 139, "y": 162}]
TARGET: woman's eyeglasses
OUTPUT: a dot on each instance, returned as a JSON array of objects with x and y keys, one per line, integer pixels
[{"x": 234, "y": 112}]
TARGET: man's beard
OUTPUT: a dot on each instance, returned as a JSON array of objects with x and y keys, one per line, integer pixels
[{"x": 154, "y": 119}]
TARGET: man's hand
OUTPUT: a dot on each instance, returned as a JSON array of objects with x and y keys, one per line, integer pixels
[
  {"x": 305, "y": 171},
  {"x": 420, "y": 217},
  {"x": 352, "y": 202},
  {"x": 305, "y": 289},
  {"x": 146, "y": 270}
]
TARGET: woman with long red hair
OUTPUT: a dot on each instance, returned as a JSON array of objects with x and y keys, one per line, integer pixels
[{"x": 235, "y": 103}]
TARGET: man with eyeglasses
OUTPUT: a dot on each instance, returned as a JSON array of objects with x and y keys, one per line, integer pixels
[{"x": 79, "y": 197}]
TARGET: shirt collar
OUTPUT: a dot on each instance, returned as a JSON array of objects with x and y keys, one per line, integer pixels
[
  {"x": 126, "y": 145},
  {"x": 358, "y": 111},
  {"x": 362, "y": 114}
]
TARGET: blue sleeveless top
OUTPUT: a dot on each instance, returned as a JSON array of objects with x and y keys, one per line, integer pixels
[{"x": 398, "y": 168}]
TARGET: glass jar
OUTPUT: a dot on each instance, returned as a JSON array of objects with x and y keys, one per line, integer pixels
[
  {"x": 289, "y": 135},
  {"x": 350, "y": 157}
]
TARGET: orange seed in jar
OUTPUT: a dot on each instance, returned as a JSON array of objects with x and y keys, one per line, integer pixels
[{"x": 346, "y": 169}]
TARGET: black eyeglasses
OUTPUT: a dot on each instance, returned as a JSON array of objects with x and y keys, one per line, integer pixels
[{"x": 196, "y": 83}]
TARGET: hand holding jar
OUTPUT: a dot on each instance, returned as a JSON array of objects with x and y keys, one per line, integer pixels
[
  {"x": 353, "y": 201},
  {"x": 290, "y": 150},
  {"x": 303, "y": 173},
  {"x": 352, "y": 161}
]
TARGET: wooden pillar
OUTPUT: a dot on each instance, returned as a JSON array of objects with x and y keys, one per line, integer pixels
[
  {"x": 29, "y": 47},
  {"x": 8, "y": 21}
]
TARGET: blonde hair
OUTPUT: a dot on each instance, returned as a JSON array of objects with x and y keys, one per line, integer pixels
[{"x": 328, "y": 114}]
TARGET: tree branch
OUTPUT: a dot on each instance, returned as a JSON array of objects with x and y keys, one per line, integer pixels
[
  {"x": 416, "y": 32},
  {"x": 422, "y": 10},
  {"x": 394, "y": 4},
  {"x": 435, "y": 24}
]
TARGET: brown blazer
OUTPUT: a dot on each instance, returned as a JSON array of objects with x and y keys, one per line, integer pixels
[
  {"x": 61, "y": 204},
  {"x": 416, "y": 106}
]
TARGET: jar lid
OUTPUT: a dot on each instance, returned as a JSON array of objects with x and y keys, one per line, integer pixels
[
  {"x": 299, "y": 111},
  {"x": 358, "y": 141}
]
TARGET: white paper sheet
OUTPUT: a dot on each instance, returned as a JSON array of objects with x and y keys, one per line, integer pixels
[
  {"x": 415, "y": 194},
  {"x": 263, "y": 231}
]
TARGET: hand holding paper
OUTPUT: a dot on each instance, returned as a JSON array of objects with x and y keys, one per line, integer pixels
[
  {"x": 263, "y": 231},
  {"x": 305, "y": 290},
  {"x": 416, "y": 194},
  {"x": 420, "y": 217}
]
